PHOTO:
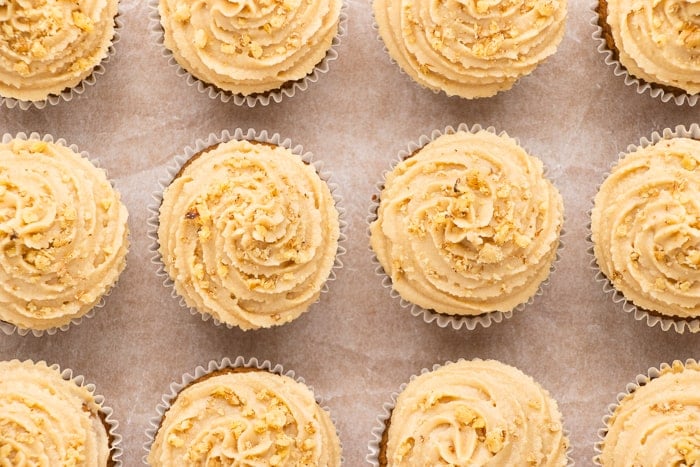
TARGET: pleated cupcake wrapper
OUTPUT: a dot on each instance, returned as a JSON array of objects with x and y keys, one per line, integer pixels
[
  {"x": 443, "y": 320},
  {"x": 69, "y": 93},
  {"x": 678, "y": 324},
  {"x": 380, "y": 422},
  {"x": 639, "y": 381},
  {"x": 9, "y": 328},
  {"x": 642, "y": 87},
  {"x": 213, "y": 366},
  {"x": 238, "y": 134},
  {"x": 287, "y": 90}
]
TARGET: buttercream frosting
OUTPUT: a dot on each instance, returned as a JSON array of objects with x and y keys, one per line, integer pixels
[
  {"x": 46, "y": 420},
  {"x": 248, "y": 233},
  {"x": 646, "y": 229},
  {"x": 63, "y": 234},
  {"x": 472, "y": 48},
  {"x": 467, "y": 225},
  {"x": 476, "y": 413},
  {"x": 658, "y": 40},
  {"x": 254, "y": 418},
  {"x": 47, "y": 46},
  {"x": 248, "y": 47}
]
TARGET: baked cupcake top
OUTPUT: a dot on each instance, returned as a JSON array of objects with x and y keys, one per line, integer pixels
[
  {"x": 658, "y": 423},
  {"x": 251, "y": 417},
  {"x": 248, "y": 233},
  {"x": 253, "y": 47},
  {"x": 479, "y": 412},
  {"x": 49, "y": 45},
  {"x": 645, "y": 227},
  {"x": 658, "y": 40},
  {"x": 63, "y": 234},
  {"x": 47, "y": 420},
  {"x": 470, "y": 49},
  {"x": 467, "y": 225}
]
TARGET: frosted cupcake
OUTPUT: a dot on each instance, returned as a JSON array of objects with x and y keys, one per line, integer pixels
[
  {"x": 63, "y": 234},
  {"x": 470, "y": 49}
]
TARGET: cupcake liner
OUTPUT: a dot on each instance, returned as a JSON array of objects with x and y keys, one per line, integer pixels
[
  {"x": 201, "y": 144},
  {"x": 264, "y": 98},
  {"x": 429, "y": 316},
  {"x": 680, "y": 325},
  {"x": 213, "y": 365},
  {"x": 640, "y": 86},
  {"x": 380, "y": 422},
  {"x": 69, "y": 93},
  {"x": 9, "y": 328}
]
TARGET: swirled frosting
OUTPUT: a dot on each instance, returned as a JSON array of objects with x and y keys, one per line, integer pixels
[
  {"x": 659, "y": 423},
  {"x": 46, "y": 420},
  {"x": 472, "y": 48},
  {"x": 477, "y": 413},
  {"x": 467, "y": 225},
  {"x": 248, "y": 233},
  {"x": 63, "y": 234},
  {"x": 49, "y": 45},
  {"x": 646, "y": 228},
  {"x": 249, "y": 46},
  {"x": 251, "y": 418},
  {"x": 658, "y": 40}
]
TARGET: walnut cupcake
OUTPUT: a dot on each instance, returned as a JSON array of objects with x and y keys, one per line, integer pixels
[
  {"x": 466, "y": 227},
  {"x": 248, "y": 231},
  {"x": 645, "y": 231},
  {"x": 245, "y": 412},
  {"x": 470, "y": 49},
  {"x": 50, "y": 417},
  {"x": 63, "y": 235},
  {"x": 51, "y": 49},
  {"x": 478, "y": 413}
]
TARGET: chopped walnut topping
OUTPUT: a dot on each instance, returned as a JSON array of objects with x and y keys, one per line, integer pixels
[
  {"x": 182, "y": 12},
  {"x": 83, "y": 21},
  {"x": 200, "y": 39},
  {"x": 404, "y": 448},
  {"x": 495, "y": 440},
  {"x": 21, "y": 68}
]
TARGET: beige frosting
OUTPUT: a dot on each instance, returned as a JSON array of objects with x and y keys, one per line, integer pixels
[
  {"x": 248, "y": 233},
  {"x": 658, "y": 40},
  {"x": 249, "y": 46},
  {"x": 659, "y": 423},
  {"x": 49, "y": 45},
  {"x": 48, "y": 421},
  {"x": 472, "y": 48},
  {"x": 646, "y": 229},
  {"x": 467, "y": 225},
  {"x": 63, "y": 234},
  {"x": 254, "y": 419},
  {"x": 476, "y": 413}
]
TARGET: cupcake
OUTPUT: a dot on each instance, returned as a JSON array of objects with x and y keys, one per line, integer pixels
[
  {"x": 470, "y": 49},
  {"x": 478, "y": 412},
  {"x": 48, "y": 417},
  {"x": 242, "y": 413},
  {"x": 654, "y": 44},
  {"x": 250, "y": 51},
  {"x": 656, "y": 421},
  {"x": 50, "y": 48},
  {"x": 63, "y": 234},
  {"x": 467, "y": 224},
  {"x": 248, "y": 232},
  {"x": 645, "y": 231}
]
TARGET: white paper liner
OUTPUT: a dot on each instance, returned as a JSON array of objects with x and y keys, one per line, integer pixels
[
  {"x": 9, "y": 328},
  {"x": 213, "y": 365},
  {"x": 264, "y": 98},
  {"x": 430, "y": 316},
  {"x": 639, "y": 381},
  {"x": 640, "y": 86},
  {"x": 250, "y": 135},
  {"x": 680, "y": 325},
  {"x": 379, "y": 426},
  {"x": 69, "y": 93}
]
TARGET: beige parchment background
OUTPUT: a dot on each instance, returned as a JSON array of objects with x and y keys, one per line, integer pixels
[{"x": 357, "y": 345}]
